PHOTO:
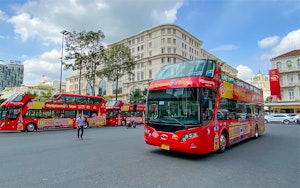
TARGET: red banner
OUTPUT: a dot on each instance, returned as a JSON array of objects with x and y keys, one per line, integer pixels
[{"x": 275, "y": 83}]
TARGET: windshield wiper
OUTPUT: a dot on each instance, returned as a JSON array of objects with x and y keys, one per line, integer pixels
[{"x": 177, "y": 121}]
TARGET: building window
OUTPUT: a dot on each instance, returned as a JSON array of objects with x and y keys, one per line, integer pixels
[
  {"x": 142, "y": 75},
  {"x": 174, "y": 41},
  {"x": 291, "y": 94},
  {"x": 138, "y": 48},
  {"x": 278, "y": 66},
  {"x": 169, "y": 40},
  {"x": 162, "y": 60},
  {"x": 298, "y": 77},
  {"x": 162, "y": 50},
  {"x": 162, "y": 41},
  {"x": 142, "y": 47},
  {"x": 150, "y": 35},
  {"x": 174, "y": 60},
  {"x": 150, "y": 74},
  {"x": 138, "y": 76},
  {"x": 150, "y": 44},
  {"x": 169, "y": 60},
  {"x": 163, "y": 31},
  {"x": 289, "y": 65},
  {"x": 150, "y": 53},
  {"x": 150, "y": 63},
  {"x": 298, "y": 63},
  {"x": 169, "y": 50},
  {"x": 174, "y": 31},
  {"x": 290, "y": 78},
  {"x": 102, "y": 88},
  {"x": 142, "y": 38},
  {"x": 174, "y": 50},
  {"x": 169, "y": 30}
]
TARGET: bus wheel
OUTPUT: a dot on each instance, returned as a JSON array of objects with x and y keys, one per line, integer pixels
[
  {"x": 123, "y": 123},
  {"x": 256, "y": 134},
  {"x": 30, "y": 127},
  {"x": 223, "y": 141}
]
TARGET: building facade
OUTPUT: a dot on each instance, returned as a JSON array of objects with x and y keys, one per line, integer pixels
[
  {"x": 261, "y": 81},
  {"x": 152, "y": 49},
  {"x": 288, "y": 65},
  {"x": 11, "y": 75}
]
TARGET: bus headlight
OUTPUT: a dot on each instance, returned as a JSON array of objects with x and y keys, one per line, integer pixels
[
  {"x": 147, "y": 131},
  {"x": 187, "y": 136}
]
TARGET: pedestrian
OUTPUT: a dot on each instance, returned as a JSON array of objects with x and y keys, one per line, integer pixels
[{"x": 79, "y": 122}]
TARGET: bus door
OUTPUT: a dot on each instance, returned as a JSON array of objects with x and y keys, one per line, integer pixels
[{"x": 14, "y": 119}]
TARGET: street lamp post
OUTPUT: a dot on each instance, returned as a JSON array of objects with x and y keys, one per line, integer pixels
[{"x": 63, "y": 32}]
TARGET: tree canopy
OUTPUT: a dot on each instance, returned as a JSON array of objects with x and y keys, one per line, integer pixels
[
  {"x": 117, "y": 62},
  {"x": 87, "y": 51}
]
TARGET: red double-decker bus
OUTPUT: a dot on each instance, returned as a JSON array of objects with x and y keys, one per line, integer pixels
[
  {"x": 194, "y": 107},
  {"x": 127, "y": 111},
  {"x": 22, "y": 113},
  {"x": 113, "y": 112}
]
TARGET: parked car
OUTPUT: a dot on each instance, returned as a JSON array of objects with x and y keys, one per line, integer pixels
[
  {"x": 283, "y": 118},
  {"x": 297, "y": 118}
]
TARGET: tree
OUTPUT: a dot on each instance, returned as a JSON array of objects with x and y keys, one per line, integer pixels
[
  {"x": 268, "y": 100},
  {"x": 117, "y": 63},
  {"x": 87, "y": 51},
  {"x": 138, "y": 95}
]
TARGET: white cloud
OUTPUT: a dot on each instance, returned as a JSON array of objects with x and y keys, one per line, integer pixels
[
  {"x": 288, "y": 43},
  {"x": 47, "y": 64},
  {"x": 3, "y": 15},
  {"x": 268, "y": 42},
  {"x": 168, "y": 15},
  {"x": 226, "y": 47},
  {"x": 244, "y": 73},
  {"x": 44, "y": 19}
]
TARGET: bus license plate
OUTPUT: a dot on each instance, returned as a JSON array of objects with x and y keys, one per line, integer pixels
[{"x": 165, "y": 147}]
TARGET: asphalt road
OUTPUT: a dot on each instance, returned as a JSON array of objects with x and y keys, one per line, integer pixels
[{"x": 116, "y": 157}]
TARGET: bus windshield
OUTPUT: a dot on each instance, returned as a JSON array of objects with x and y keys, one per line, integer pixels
[
  {"x": 17, "y": 97},
  {"x": 173, "y": 106},
  {"x": 183, "y": 69}
]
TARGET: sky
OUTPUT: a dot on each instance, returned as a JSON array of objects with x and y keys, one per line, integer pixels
[{"x": 246, "y": 34}]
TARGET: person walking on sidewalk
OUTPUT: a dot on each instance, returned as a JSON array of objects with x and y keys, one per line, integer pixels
[{"x": 79, "y": 122}]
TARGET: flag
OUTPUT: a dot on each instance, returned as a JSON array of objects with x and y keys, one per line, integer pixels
[{"x": 275, "y": 83}]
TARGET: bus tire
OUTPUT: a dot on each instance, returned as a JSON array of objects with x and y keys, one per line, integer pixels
[
  {"x": 123, "y": 123},
  {"x": 223, "y": 142},
  {"x": 30, "y": 127},
  {"x": 256, "y": 133}
]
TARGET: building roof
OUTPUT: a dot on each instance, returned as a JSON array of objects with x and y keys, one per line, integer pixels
[{"x": 288, "y": 54}]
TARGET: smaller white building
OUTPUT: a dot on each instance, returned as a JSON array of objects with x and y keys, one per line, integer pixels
[{"x": 40, "y": 89}]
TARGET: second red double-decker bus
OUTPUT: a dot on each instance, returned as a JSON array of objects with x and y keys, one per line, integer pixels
[
  {"x": 194, "y": 107},
  {"x": 21, "y": 112},
  {"x": 127, "y": 113},
  {"x": 113, "y": 112}
]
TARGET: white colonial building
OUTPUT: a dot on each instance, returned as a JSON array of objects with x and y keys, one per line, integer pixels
[{"x": 288, "y": 65}]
